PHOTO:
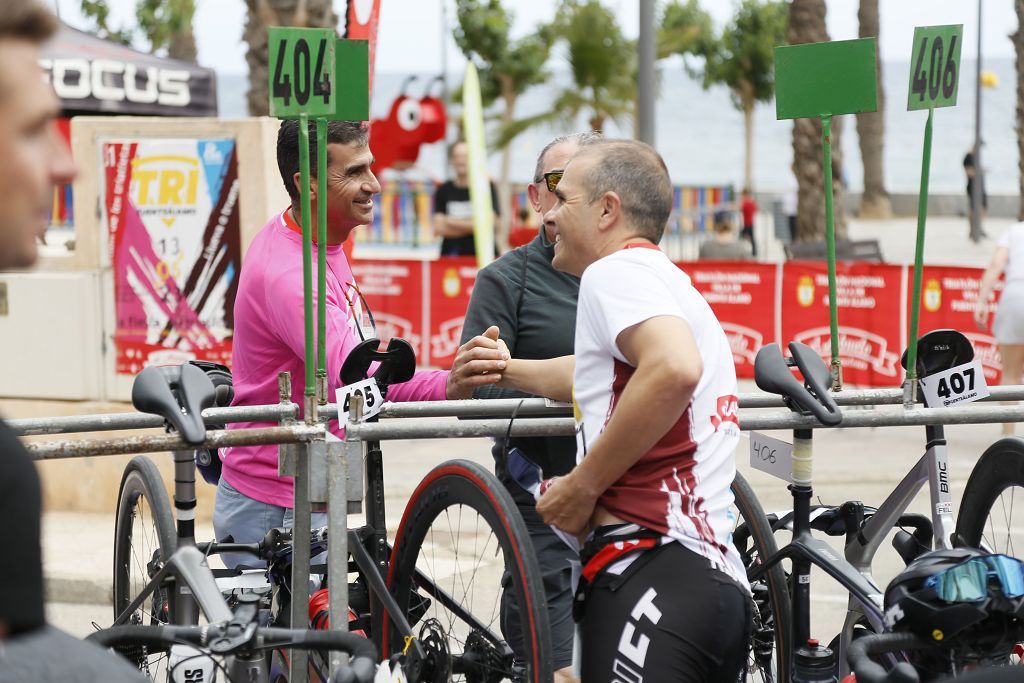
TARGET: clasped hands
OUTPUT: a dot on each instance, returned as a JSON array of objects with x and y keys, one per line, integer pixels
[{"x": 478, "y": 362}]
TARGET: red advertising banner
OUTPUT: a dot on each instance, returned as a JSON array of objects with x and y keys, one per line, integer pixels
[
  {"x": 948, "y": 298},
  {"x": 393, "y": 291},
  {"x": 449, "y": 284},
  {"x": 742, "y": 295},
  {"x": 870, "y": 317}
]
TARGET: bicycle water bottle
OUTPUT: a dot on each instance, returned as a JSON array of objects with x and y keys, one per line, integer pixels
[
  {"x": 189, "y": 665},
  {"x": 814, "y": 664}
]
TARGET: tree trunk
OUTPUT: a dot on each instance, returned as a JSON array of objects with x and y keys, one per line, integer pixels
[
  {"x": 871, "y": 130},
  {"x": 266, "y": 13},
  {"x": 807, "y": 25},
  {"x": 183, "y": 46},
  {"x": 1018, "y": 44},
  {"x": 502, "y": 229},
  {"x": 748, "y": 144}
]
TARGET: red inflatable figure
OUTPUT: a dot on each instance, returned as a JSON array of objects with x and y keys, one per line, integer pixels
[{"x": 410, "y": 123}]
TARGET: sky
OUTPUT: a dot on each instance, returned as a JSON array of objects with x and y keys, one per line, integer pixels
[{"x": 412, "y": 37}]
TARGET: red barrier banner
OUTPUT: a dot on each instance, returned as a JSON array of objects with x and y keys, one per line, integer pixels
[
  {"x": 948, "y": 298},
  {"x": 742, "y": 295},
  {"x": 870, "y": 315},
  {"x": 393, "y": 291},
  {"x": 449, "y": 284}
]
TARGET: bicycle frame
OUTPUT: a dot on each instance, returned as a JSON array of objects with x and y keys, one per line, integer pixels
[{"x": 853, "y": 571}]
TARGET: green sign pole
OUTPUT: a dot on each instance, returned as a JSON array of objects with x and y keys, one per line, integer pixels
[
  {"x": 830, "y": 242},
  {"x": 321, "y": 252},
  {"x": 307, "y": 250},
  {"x": 934, "y": 79},
  {"x": 822, "y": 80}
]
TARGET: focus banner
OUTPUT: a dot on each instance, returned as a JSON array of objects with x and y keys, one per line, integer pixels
[{"x": 449, "y": 284}]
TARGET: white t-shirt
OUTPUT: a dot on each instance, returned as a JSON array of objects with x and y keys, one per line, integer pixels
[
  {"x": 1013, "y": 239},
  {"x": 680, "y": 488}
]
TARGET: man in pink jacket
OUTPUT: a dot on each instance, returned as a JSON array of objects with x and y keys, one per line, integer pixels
[{"x": 269, "y": 327}]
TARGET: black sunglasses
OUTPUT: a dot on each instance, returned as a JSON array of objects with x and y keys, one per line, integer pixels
[{"x": 551, "y": 178}]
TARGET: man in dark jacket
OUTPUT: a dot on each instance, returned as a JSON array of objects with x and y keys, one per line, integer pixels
[
  {"x": 33, "y": 159},
  {"x": 534, "y": 306}
]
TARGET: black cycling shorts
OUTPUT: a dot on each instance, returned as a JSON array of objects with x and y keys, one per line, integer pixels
[{"x": 671, "y": 616}]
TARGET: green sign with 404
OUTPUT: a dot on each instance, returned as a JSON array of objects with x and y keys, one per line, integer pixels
[
  {"x": 935, "y": 66},
  {"x": 312, "y": 72}
]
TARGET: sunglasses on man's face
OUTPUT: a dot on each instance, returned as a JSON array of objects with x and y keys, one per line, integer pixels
[{"x": 551, "y": 178}]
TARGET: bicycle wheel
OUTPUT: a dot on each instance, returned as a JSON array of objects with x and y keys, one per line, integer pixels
[
  {"x": 992, "y": 512},
  {"x": 459, "y": 534},
  {"x": 144, "y": 537},
  {"x": 771, "y": 644}
]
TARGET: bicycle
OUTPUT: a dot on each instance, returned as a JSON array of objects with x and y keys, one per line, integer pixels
[
  {"x": 418, "y": 580},
  {"x": 864, "y": 527}
]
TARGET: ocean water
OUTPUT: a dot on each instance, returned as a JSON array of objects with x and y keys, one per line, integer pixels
[{"x": 700, "y": 133}]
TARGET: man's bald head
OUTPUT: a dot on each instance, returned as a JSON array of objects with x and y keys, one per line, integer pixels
[{"x": 637, "y": 174}]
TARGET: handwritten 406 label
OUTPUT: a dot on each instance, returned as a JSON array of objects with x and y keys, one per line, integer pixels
[
  {"x": 962, "y": 384},
  {"x": 772, "y": 456},
  {"x": 373, "y": 401},
  {"x": 935, "y": 66}
]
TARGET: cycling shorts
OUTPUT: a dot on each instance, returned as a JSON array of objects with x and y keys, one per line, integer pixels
[{"x": 669, "y": 616}]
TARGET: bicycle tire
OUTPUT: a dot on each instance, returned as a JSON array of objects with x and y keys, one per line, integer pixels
[
  {"x": 141, "y": 542},
  {"x": 987, "y": 518},
  {"x": 454, "y": 646},
  {"x": 771, "y": 645}
]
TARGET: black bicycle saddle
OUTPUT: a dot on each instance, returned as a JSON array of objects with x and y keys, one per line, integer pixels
[
  {"x": 940, "y": 350},
  {"x": 397, "y": 363},
  {"x": 772, "y": 374},
  {"x": 177, "y": 393}
]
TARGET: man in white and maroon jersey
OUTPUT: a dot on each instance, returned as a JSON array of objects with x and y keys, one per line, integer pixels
[{"x": 664, "y": 594}]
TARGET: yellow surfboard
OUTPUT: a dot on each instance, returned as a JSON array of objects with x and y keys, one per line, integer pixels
[{"x": 479, "y": 183}]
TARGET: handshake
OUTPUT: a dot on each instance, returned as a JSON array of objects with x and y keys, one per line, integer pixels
[{"x": 479, "y": 362}]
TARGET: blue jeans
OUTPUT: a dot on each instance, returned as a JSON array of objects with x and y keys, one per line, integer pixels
[{"x": 247, "y": 520}]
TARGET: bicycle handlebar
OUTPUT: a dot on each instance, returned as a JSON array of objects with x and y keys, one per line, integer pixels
[
  {"x": 870, "y": 671},
  {"x": 221, "y": 641}
]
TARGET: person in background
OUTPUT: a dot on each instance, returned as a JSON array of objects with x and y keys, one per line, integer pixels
[
  {"x": 973, "y": 175},
  {"x": 723, "y": 245},
  {"x": 33, "y": 159},
  {"x": 453, "y": 212},
  {"x": 534, "y": 306},
  {"x": 748, "y": 207},
  {"x": 1008, "y": 323}
]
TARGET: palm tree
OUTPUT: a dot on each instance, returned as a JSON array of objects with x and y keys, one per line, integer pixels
[
  {"x": 266, "y": 13},
  {"x": 603, "y": 67},
  {"x": 871, "y": 130},
  {"x": 744, "y": 60},
  {"x": 507, "y": 69},
  {"x": 807, "y": 25}
]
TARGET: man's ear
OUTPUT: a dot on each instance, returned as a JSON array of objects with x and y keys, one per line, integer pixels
[
  {"x": 611, "y": 210},
  {"x": 297, "y": 179},
  {"x": 534, "y": 194}
]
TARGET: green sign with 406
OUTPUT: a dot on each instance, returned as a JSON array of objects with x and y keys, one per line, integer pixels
[{"x": 935, "y": 66}]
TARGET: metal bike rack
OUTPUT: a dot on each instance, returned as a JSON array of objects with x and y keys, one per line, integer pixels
[{"x": 328, "y": 470}]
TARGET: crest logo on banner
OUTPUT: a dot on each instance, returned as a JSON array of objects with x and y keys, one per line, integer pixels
[{"x": 805, "y": 291}]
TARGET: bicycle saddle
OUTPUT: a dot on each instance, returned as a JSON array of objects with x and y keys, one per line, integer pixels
[
  {"x": 177, "y": 393},
  {"x": 772, "y": 374},
  {"x": 397, "y": 363},
  {"x": 940, "y": 350}
]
